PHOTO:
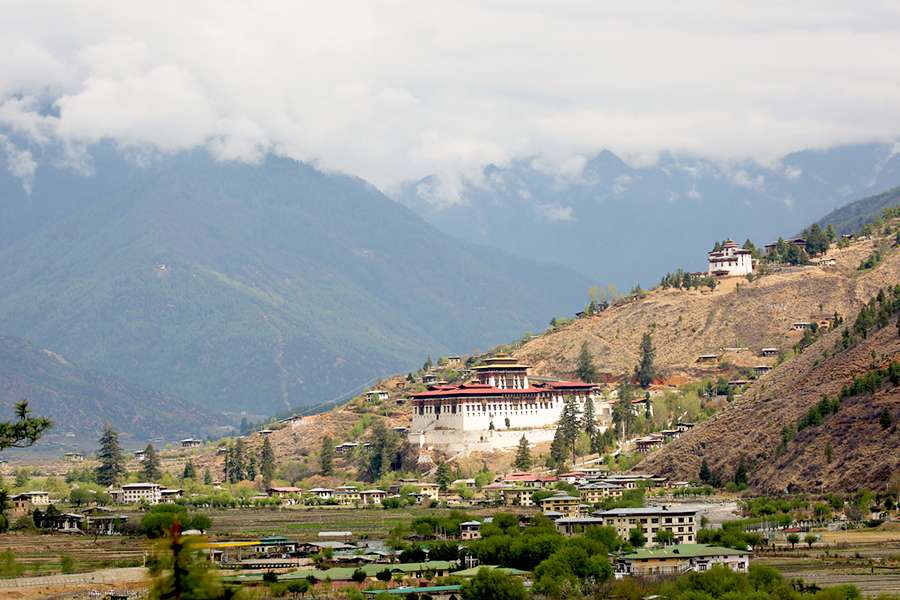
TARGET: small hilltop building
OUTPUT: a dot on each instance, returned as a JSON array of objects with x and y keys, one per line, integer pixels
[{"x": 730, "y": 261}]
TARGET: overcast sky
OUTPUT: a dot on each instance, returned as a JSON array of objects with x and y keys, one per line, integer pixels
[{"x": 396, "y": 90}]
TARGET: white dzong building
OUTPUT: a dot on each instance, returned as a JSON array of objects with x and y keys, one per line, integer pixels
[
  {"x": 498, "y": 408},
  {"x": 730, "y": 261}
]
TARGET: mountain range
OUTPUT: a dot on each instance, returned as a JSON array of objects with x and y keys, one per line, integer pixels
[
  {"x": 625, "y": 224},
  {"x": 80, "y": 401},
  {"x": 249, "y": 288}
]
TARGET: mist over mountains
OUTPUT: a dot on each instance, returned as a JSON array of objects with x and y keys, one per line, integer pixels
[
  {"x": 249, "y": 288},
  {"x": 625, "y": 225}
]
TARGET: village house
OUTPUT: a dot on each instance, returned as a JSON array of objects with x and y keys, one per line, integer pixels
[
  {"x": 372, "y": 497},
  {"x": 24, "y": 503},
  {"x": 730, "y": 261},
  {"x": 595, "y": 493},
  {"x": 294, "y": 421},
  {"x": 769, "y": 352},
  {"x": 762, "y": 369},
  {"x": 670, "y": 434},
  {"x": 377, "y": 396},
  {"x": 191, "y": 443},
  {"x": 530, "y": 480},
  {"x": 576, "y": 525},
  {"x": 562, "y": 503},
  {"x": 470, "y": 530},
  {"x": 646, "y": 444},
  {"x": 798, "y": 242},
  {"x": 678, "y": 559},
  {"x": 801, "y": 325},
  {"x": 499, "y": 407},
  {"x": 398, "y": 484},
  {"x": 466, "y": 483},
  {"x": 708, "y": 358},
  {"x": 681, "y": 522},
  {"x": 283, "y": 492},
  {"x": 517, "y": 496},
  {"x": 429, "y": 490},
  {"x": 169, "y": 495},
  {"x": 346, "y": 447},
  {"x": 74, "y": 456},
  {"x": 132, "y": 493},
  {"x": 347, "y": 496},
  {"x": 138, "y": 455},
  {"x": 322, "y": 493}
]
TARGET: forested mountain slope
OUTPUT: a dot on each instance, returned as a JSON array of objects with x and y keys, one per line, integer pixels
[
  {"x": 79, "y": 401},
  {"x": 249, "y": 288}
]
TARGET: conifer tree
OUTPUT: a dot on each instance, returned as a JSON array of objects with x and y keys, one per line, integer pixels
[
  {"x": 523, "y": 455},
  {"x": 568, "y": 422},
  {"x": 645, "y": 370},
  {"x": 112, "y": 463},
  {"x": 557, "y": 449},
  {"x": 586, "y": 370},
  {"x": 326, "y": 456},
  {"x": 705, "y": 472},
  {"x": 443, "y": 477},
  {"x": 207, "y": 477},
  {"x": 267, "y": 463},
  {"x": 235, "y": 463},
  {"x": 251, "y": 468},
  {"x": 588, "y": 421},
  {"x": 25, "y": 430},
  {"x": 150, "y": 466},
  {"x": 190, "y": 471}
]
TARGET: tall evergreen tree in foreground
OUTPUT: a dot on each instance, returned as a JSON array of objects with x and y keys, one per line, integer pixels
[
  {"x": 523, "y": 455},
  {"x": 568, "y": 423},
  {"x": 645, "y": 370},
  {"x": 235, "y": 463},
  {"x": 586, "y": 370},
  {"x": 112, "y": 463},
  {"x": 190, "y": 471},
  {"x": 150, "y": 466},
  {"x": 267, "y": 463},
  {"x": 326, "y": 457}
]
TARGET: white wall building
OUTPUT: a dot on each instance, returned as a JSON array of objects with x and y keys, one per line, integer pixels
[
  {"x": 498, "y": 408},
  {"x": 730, "y": 261},
  {"x": 133, "y": 493}
]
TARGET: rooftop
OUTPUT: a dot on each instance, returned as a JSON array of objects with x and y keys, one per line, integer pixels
[
  {"x": 650, "y": 510},
  {"x": 684, "y": 550}
]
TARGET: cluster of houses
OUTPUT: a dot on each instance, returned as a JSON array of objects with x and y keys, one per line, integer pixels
[{"x": 95, "y": 520}]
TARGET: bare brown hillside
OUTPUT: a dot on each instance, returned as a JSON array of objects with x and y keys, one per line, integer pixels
[
  {"x": 862, "y": 454},
  {"x": 738, "y": 314}
]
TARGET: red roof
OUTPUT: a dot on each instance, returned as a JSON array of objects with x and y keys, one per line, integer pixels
[
  {"x": 529, "y": 477},
  {"x": 483, "y": 389}
]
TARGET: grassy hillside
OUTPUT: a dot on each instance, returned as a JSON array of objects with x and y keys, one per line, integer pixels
[
  {"x": 851, "y": 218},
  {"x": 844, "y": 450},
  {"x": 736, "y": 320},
  {"x": 80, "y": 401},
  {"x": 250, "y": 288}
]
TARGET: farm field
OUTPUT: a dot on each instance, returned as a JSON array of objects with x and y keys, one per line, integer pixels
[{"x": 866, "y": 558}]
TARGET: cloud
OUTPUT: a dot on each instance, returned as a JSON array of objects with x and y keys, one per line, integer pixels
[
  {"x": 19, "y": 162},
  {"x": 744, "y": 179},
  {"x": 392, "y": 92},
  {"x": 555, "y": 213}
]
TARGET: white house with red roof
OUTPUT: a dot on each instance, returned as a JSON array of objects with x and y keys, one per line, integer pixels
[
  {"x": 498, "y": 408},
  {"x": 730, "y": 261}
]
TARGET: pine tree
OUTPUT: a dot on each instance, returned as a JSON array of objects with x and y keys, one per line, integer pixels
[
  {"x": 190, "y": 471},
  {"x": 150, "y": 466},
  {"x": 523, "y": 455},
  {"x": 568, "y": 422},
  {"x": 267, "y": 463},
  {"x": 326, "y": 456},
  {"x": 251, "y": 468},
  {"x": 705, "y": 472},
  {"x": 645, "y": 371},
  {"x": 558, "y": 449},
  {"x": 586, "y": 371},
  {"x": 443, "y": 477},
  {"x": 235, "y": 463},
  {"x": 207, "y": 477},
  {"x": 112, "y": 463},
  {"x": 589, "y": 423}
]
